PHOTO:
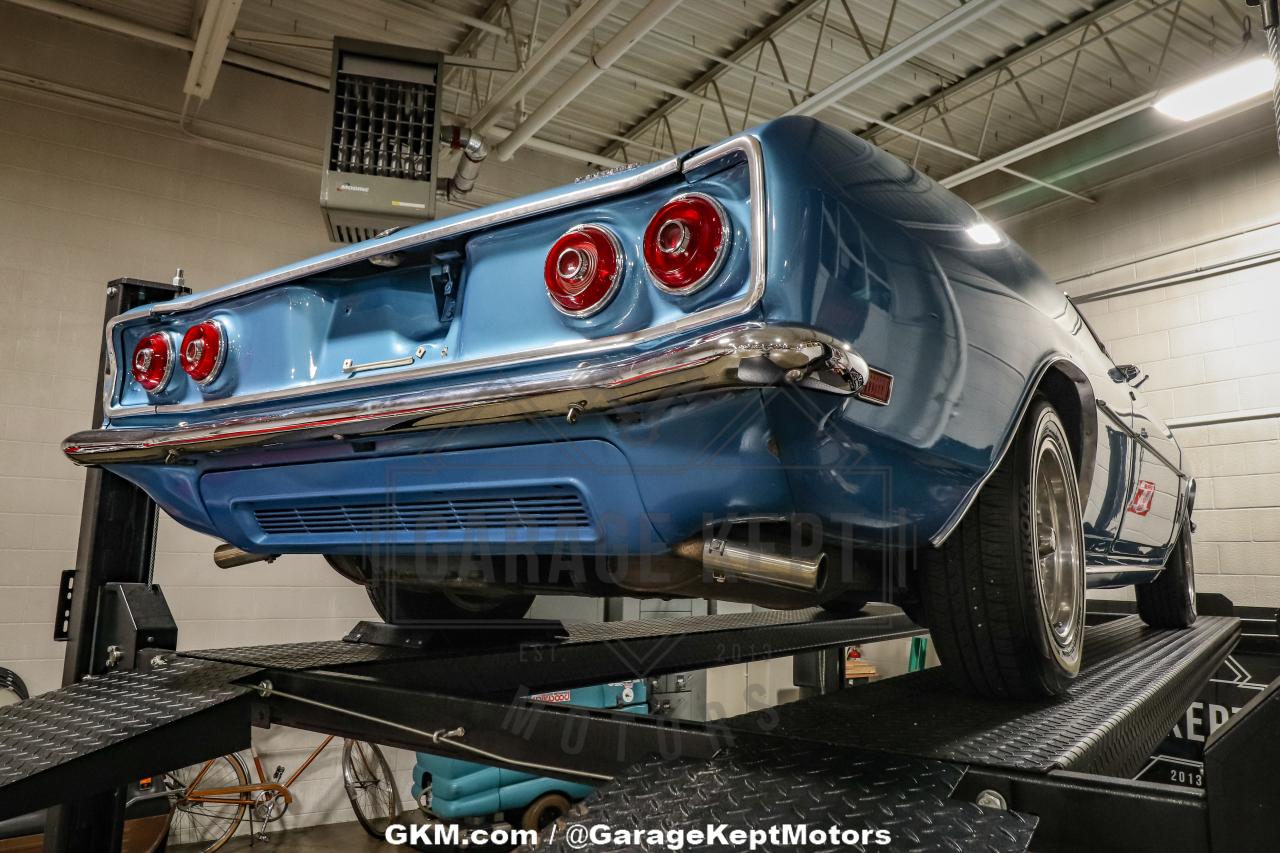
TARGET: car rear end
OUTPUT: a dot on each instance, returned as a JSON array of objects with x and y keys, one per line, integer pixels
[{"x": 582, "y": 366}]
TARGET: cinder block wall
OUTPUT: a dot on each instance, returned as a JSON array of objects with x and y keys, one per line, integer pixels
[
  {"x": 89, "y": 193},
  {"x": 1210, "y": 338}
]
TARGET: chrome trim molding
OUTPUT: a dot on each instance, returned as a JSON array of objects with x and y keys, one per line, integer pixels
[
  {"x": 1111, "y": 576},
  {"x": 752, "y": 355},
  {"x": 747, "y": 146},
  {"x": 1140, "y": 438},
  {"x": 349, "y": 366},
  {"x": 1028, "y": 393}
]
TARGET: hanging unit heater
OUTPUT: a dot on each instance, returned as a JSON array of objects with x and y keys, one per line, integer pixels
[{"x": 380, "y": 171}]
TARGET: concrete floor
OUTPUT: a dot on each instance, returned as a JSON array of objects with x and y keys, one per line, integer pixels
[{"x": 329, "y": 838}]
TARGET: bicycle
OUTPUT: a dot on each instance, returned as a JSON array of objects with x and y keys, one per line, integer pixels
[{"x": 210, "y": 800}]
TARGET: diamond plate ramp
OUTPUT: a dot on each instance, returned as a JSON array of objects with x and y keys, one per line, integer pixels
[
  {"x": 1135, "y": 683},
  {"x": 105, "y": 731},
  {"x": 762, "y": 782}
]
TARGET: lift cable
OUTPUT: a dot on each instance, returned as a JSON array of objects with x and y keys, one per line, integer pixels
[{"x": 1271, "y": 23}]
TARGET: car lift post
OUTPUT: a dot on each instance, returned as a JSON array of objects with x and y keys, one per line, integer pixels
[{"x": 116, "y": 545}]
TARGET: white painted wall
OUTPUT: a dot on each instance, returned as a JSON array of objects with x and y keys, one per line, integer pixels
[
  {"x": 1211, "y": 344},
  {"x": 89, "y": 194}
]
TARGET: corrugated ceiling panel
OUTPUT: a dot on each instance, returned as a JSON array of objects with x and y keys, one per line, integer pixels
[{"x": 1028, "y": 104}]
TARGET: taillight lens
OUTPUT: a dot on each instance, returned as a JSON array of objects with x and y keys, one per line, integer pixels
[
  {"x": 686, "y": 242},
  {"x": 152, "y": 361},
  {"x": 584, "y": 269},
  {"x": 204, "y": 348}
]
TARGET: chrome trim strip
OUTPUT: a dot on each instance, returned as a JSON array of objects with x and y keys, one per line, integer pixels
[
  {"x": 1111, "y": 576},
  {"x": 747, "y": 145},
  {"x": 748, "y": 356},
  {"x": 348, "y": 366},
  {"x": 1028, "y": 393},
  {"x": 1139, "y": 438}
]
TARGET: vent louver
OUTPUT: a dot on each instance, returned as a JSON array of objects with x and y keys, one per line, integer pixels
[
  {"x": 382, "y": 157},
  {"x": 552, "y": 511}
]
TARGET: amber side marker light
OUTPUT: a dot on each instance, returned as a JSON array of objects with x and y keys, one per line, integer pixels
[{"x": 878, "y": 389}]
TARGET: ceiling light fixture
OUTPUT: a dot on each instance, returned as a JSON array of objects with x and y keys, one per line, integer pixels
[{"x": 1229, "y": 87}]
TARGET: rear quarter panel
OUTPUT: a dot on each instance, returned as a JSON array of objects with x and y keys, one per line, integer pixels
[{"x": 867, "y": 249}]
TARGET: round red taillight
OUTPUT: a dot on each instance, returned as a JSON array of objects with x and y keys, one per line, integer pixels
[
  {"x": 686, "y": 242},
  {"x": 152, "y": 363},
  {"x": 584, "y": 269},
  {"x": 204, "y": 347}
]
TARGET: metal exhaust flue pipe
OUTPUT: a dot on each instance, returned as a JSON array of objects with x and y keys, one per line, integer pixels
[
  {"x": 734, "y": 561},
  {"x": 474, "y": 151}
]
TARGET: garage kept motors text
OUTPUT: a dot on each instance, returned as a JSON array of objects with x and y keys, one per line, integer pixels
[{"x": 588, "y": 836}]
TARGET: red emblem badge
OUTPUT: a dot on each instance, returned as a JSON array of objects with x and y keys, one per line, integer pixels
[{"x": 1142, "y": 498}]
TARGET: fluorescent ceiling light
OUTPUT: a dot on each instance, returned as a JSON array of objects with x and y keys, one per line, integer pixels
[
  {"x": 984, "y": 234},
  {"x": 1227, "y": 88}
]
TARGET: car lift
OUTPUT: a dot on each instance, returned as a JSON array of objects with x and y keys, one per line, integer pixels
[{"x": 940, "y": 770}]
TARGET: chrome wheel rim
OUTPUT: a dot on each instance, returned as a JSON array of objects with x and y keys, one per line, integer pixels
[
  {"x": 1059, "y": 548},
  {"x": 1189, "y": 569}
]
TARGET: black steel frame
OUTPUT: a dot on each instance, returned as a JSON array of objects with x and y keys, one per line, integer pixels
[
  {"x": 117, "y": 545},
  {"x": 460, "y": 694}
]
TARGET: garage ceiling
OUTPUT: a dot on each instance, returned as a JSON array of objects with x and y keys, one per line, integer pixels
[{"x": 711, "y": 67}]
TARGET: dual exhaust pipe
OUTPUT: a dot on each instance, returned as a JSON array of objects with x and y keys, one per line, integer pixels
[
  {"x": 227, "y": 556},
  {"x": 727, "y": 561},
  {"x": 736, "y": 561}
]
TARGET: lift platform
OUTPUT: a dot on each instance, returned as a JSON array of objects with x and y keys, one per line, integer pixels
[
  {"x": 938, "y": 769},
  {"x": 907, "y": 754}
]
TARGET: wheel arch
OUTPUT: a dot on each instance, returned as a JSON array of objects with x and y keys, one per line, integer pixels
[{"x": 1067, "y": 387}]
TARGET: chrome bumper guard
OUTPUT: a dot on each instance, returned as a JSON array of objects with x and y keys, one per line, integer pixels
[{"x": 744, "y": 356}]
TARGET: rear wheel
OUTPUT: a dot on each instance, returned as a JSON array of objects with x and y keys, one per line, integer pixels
[
  {"x": 399, "y": 603},
  {"x": 1004, "y": 596},
  {"x": 1169, "y": 601},
  {"x": 845, "y": 604}
]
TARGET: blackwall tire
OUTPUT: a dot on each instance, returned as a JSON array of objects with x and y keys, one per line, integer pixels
[
  {"x": 402, "y": 604},
  {"x": 1004, "y": 595},
  {"x": 1169, "y": 601},
  {"x": 405, "y": 606},
  {"x": 846, "y": 604}
]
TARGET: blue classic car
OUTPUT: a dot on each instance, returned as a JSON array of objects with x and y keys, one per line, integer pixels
[{"x": 787, "y": 369}]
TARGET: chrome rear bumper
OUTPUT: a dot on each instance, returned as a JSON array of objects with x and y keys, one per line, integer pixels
[{"x": 746, "y": 356}]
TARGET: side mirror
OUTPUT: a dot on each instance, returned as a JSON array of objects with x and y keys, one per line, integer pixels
[{"x": 1124, "y": 372}]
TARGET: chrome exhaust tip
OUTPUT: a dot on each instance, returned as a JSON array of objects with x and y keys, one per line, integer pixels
[
  {"x": 227, "y": 556},
  {"x": 730, "y": 561}
]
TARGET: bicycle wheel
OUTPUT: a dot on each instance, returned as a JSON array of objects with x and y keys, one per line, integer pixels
[
  {"x": 192, "y": 821},
  {"x": 370, "y": 786}
]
